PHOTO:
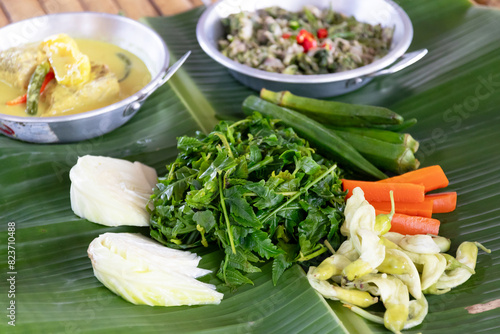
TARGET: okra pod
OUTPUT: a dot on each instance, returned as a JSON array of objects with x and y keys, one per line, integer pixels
[
  {"x": 396, "y": 158},
  {"x": 404, "y": 139},
  {"x": 397, "y": 127},
  {"x": 334, "y": 113}
]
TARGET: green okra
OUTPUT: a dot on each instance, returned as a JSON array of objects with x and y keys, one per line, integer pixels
[
  {"x": 384, "y": 135},
  {"x": 396, "y": 158},
  {"x": 397, "y": 127},
  {"x": 332, "y": 112}
]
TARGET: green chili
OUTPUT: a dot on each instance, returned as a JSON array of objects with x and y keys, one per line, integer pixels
[
  {"x": 128, "y": 65},
  {"x": 35, "y": 84}
]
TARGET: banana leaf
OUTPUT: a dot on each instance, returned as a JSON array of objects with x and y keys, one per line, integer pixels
[{"x": 455, "y": 94}]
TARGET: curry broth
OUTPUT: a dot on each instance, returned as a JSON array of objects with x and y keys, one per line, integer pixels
[{"x": 98, "y": 52}]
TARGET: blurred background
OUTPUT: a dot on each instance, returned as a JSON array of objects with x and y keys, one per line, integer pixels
[{"x": 16, "y": 10}]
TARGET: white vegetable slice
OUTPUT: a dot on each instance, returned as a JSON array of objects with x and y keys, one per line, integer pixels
[
  {"x": 111, "y": 191},
  {"x": 335, "y": 292},
  {"x": 144, "y": 272},
  {"x": 358, "y": 214},
  {"x": 359, "y": 227},
  {"x": 466, "y": 255},
  {"x": 348, "y": 250},
  {"x": 420, "y": 244},
  {"x": 418, "y": 309},
  {"x": 394, "y": 237},
  {"x": 394, "y": 295}
]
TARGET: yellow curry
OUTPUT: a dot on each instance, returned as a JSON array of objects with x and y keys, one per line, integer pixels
[{"x": 63, "y": 76}]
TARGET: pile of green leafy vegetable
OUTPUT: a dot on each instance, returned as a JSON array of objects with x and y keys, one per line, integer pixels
[{"x": 254, "y": 188}]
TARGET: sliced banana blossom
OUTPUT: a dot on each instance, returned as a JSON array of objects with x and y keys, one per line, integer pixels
[
  {"x": 359, "y": 226},
  {"x": 421, "y": 244},
  {"x": 348, "y": 250},
  {"x": 452, "y": 263},
  {"x": 388, "y": 243},
  {"x": 433, "y": 268},
  {"x": 399, "y": 264},
  {"x": 394, "y": 237},
  {"x": 143, "y": 271},
  {"x": 394, "y": 295},
  {"x": 372, "y": 255},
  {"x": 466, "y": 255},
  {"x": 331, "y": 266},
  {"x": 334, "y": 292},
  {"x": 442, "y": 242},
  {"x": 389, "y": 265},
  {"x": 358, "y": 214},
  {"x": 417, "y": 311}
]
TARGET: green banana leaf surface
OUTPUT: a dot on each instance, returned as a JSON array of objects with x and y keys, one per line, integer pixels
[{"x": 455, "y": 94}]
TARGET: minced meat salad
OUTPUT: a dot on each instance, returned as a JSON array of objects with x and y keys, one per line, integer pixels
[{"x": 312, "y": 41}]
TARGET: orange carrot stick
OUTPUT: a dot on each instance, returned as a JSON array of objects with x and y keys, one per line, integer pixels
[
  {"x": 379, "y": 192},
  {"x": 413, "y": 224},
  {"x": 431, "y": 177},
  {"x": 442, "y": 202},
  {"x": 423, "y": 209}
]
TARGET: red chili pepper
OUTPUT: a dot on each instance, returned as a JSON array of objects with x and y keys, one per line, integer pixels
[
  {"x": 322, "y": 33},
  {"x": 307, "y": 40},
  {"x": 17, "y": 100},
  {"x": 286, "y": 35},
  {"x": 47, "y": 79},
  {"x": 23, "y": 98},
  {"x": 326, "y": 46},
  {"x": 304, "y": 35},
  {"x": 309, "y": 44}
]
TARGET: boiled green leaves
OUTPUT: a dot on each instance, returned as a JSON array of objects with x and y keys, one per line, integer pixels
[{"x": 255, "y": 189}]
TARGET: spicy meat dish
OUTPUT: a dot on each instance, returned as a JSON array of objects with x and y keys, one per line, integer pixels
[{"x": 311, "y": 41}]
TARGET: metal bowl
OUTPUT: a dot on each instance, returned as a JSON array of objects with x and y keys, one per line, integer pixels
[
  {"x": 126, "y": 33},
  {"x": 209, "y": 30}
]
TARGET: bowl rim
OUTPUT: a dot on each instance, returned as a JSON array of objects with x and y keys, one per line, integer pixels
[
  {"x": 144, "y": 91},
  {"x": 371, "y": 68}
]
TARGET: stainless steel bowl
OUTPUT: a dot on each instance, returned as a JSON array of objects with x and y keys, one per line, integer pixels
[
  {"x": 126, "y": 33},
  {"x": 209, "y": 30}
]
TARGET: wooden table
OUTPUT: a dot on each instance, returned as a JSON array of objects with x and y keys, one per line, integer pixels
[{"x": 16, "y": 10}]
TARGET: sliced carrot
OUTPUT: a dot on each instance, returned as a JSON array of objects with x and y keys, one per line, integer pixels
[
  {"x": 379, "y": 192},
  {"x": 405, "y": 224},
  {"x": 431, "y": 177},
  {"x": 443, "y": 202},
  {"x": 423, "y": 209}
]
